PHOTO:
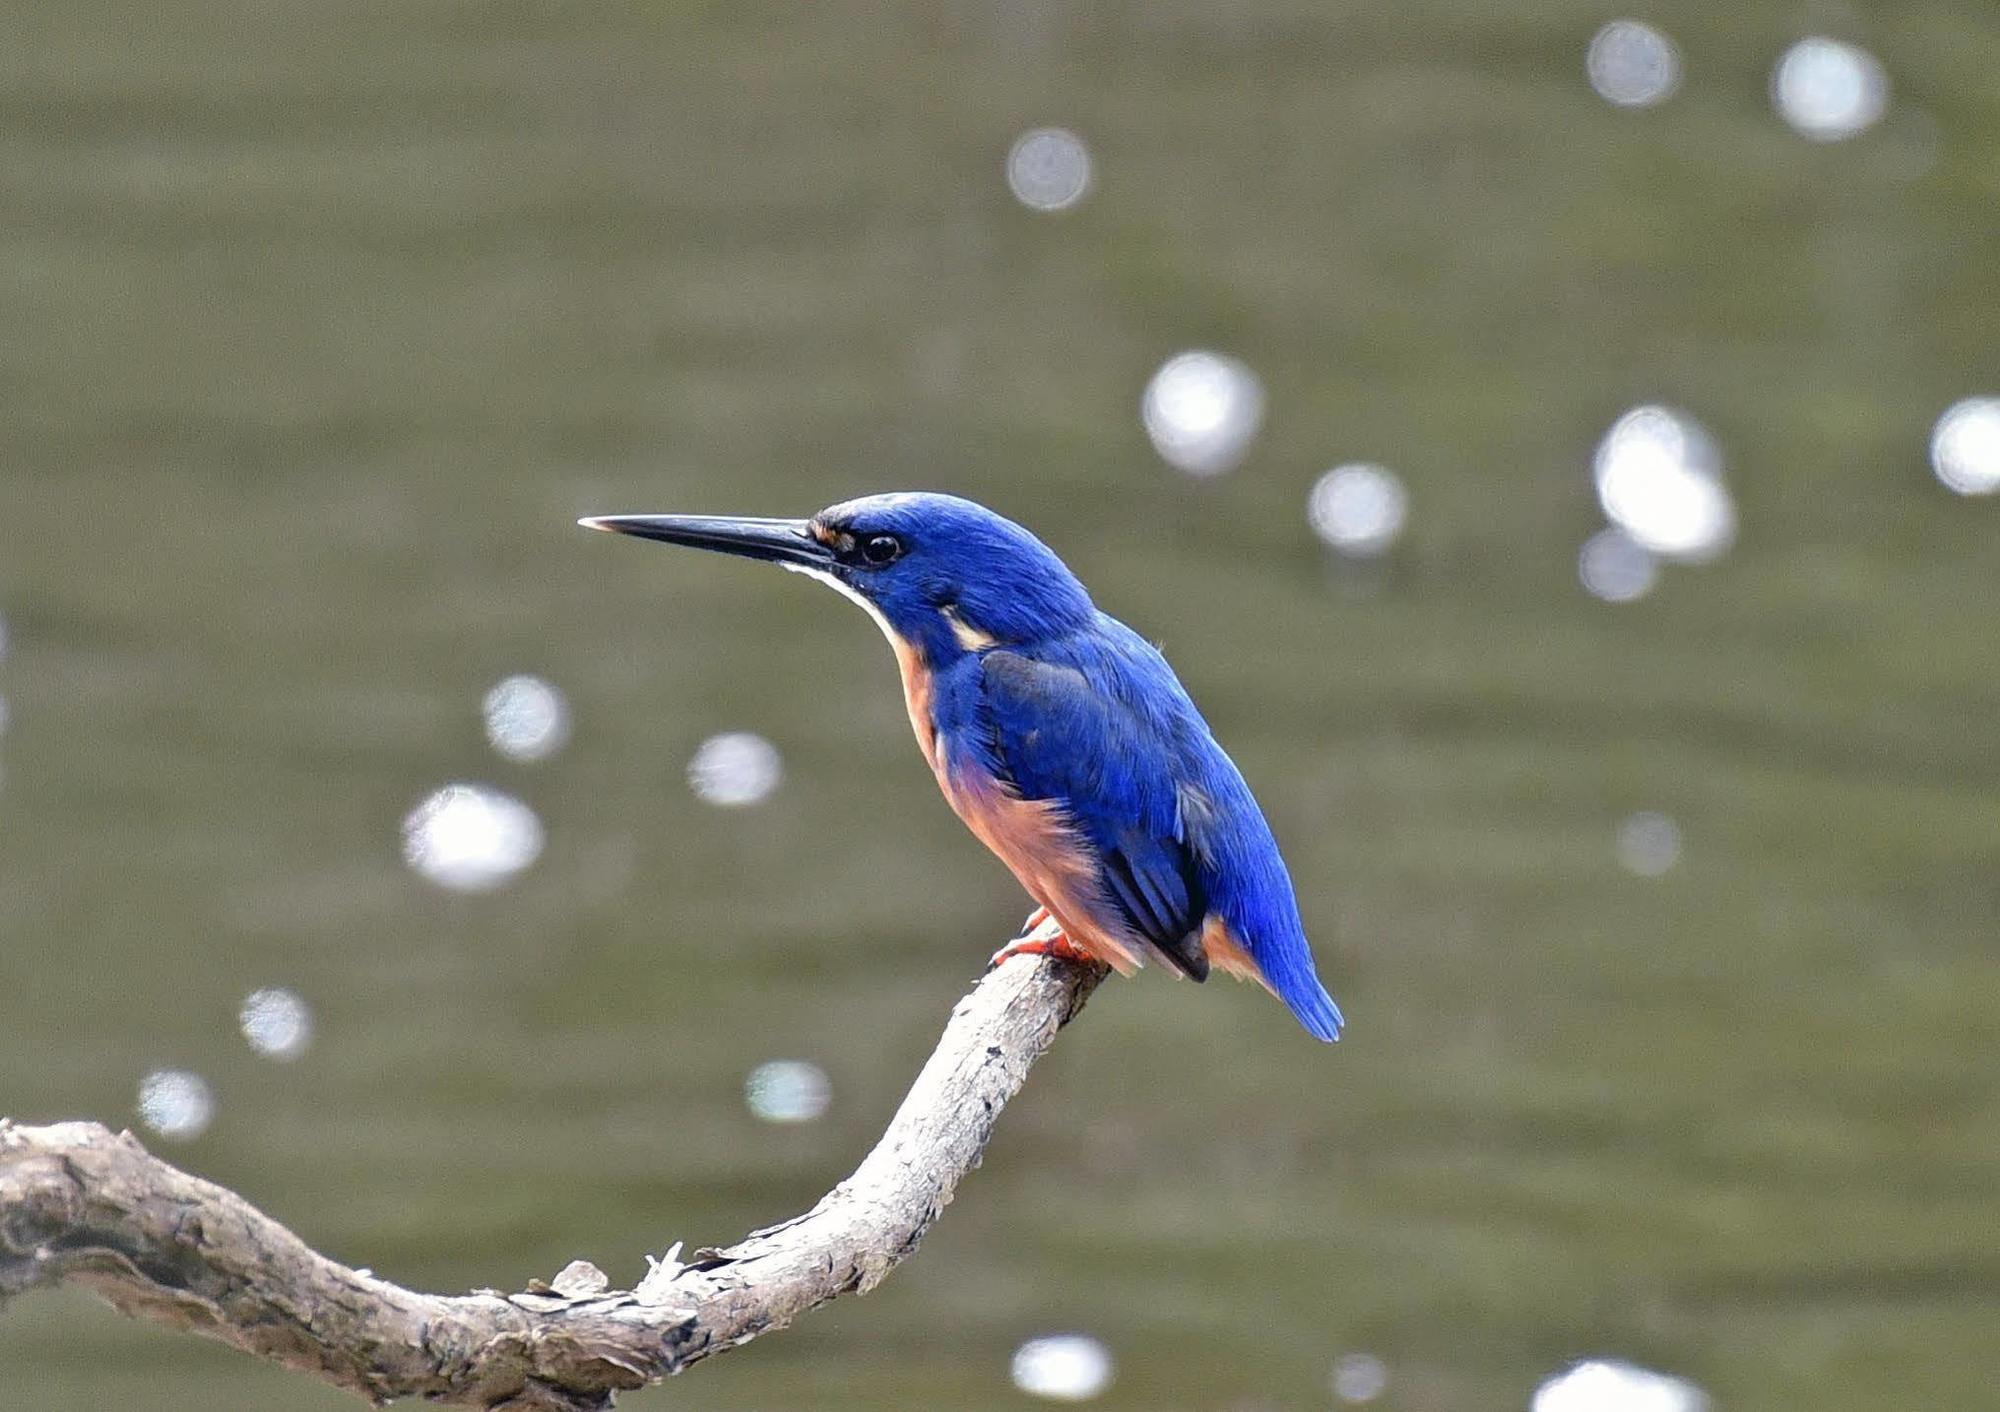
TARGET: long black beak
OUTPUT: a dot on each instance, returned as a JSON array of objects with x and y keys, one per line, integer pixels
[{"x": 775, "y": 541}]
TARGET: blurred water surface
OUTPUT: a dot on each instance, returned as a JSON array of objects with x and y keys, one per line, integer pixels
[{"x": 320, "y": 323}]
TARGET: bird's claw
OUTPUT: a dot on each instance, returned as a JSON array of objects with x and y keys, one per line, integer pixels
[{"x": 1042, "y": 936}]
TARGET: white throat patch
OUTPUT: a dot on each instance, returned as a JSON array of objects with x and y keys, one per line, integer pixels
[
  {"x": 969, "y": 637},
  {"x": 895, "y": 638}
]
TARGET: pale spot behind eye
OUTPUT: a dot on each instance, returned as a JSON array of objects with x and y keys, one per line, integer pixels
[{"x": 969, "y": 637}]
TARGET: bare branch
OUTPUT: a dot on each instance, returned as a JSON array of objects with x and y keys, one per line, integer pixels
[{"x": 82, "y": 1206}]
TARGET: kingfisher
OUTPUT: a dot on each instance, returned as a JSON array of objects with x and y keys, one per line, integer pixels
[{"x": 1059, "y": 735}]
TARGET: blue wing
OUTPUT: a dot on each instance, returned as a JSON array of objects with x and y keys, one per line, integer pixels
[
  {"x": 1099, "y": 722},
  {"x": 1050, "y": 733}
]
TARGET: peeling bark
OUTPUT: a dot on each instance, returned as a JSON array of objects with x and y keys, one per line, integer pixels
[{"x": 82, "y": 1206}]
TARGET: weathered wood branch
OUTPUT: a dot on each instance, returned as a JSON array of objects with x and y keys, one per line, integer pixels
[{"x": 79, "y": 1205}]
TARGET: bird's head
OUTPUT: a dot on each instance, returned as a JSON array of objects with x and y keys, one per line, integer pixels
[{"x": 940, "y": 573}]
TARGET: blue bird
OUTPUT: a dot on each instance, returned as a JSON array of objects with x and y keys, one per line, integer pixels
[{"x": 1061, "y": 737}]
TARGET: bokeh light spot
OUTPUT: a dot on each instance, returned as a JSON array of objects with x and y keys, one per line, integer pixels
[
  {"x": 1633, "y": 64},
  {"x": 1048, "y": 169},
  {"x": 471, "y": 837},
  {"x": 1965, "y": 446},
  {"x": 176, "y": 1103},
  {"x": 1358, "y": 509},
  {"x": 527, "y": 719},
  {"x": 1649, "y": 843},
  {"x": 1615, "y": 567},
  {"x": 1608, "y": 1385},
  {"x": 1359, "y": 1377},
  {"x": 276, "y": 1022},
  {"x": 787, "y": 1091},
  {"x": 1828, "y": 90},
  {"x": 735, "y": 769},
  {"x": 1659, "y": 478},
  {"x": 1062, "y": 1367},
  {"x": 1202, "y": 411}
]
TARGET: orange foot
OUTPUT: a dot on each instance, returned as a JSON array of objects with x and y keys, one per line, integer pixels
[{"x": 1046, "y": 938}]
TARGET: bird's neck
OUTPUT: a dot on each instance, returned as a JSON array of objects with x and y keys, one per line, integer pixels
[
  {"x": 935, "y": 643},
  {"x": 942, "y": 637},
  {"x": 930, "y": 656}
]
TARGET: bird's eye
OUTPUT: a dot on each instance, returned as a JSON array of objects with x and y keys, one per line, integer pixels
[{"x": 880, "y": 549}]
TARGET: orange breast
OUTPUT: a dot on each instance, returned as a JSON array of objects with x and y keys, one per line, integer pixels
[
  {"x": 1052, "y": 863},
  {"x": 1028, "y": 835},
  {"x": 916, "y": 695}
]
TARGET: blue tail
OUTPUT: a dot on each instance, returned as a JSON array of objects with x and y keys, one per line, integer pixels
[{"x": 1314, "y": 1007}]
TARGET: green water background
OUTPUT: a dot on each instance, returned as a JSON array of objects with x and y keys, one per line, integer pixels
[{"x": 319, "y": 323}]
